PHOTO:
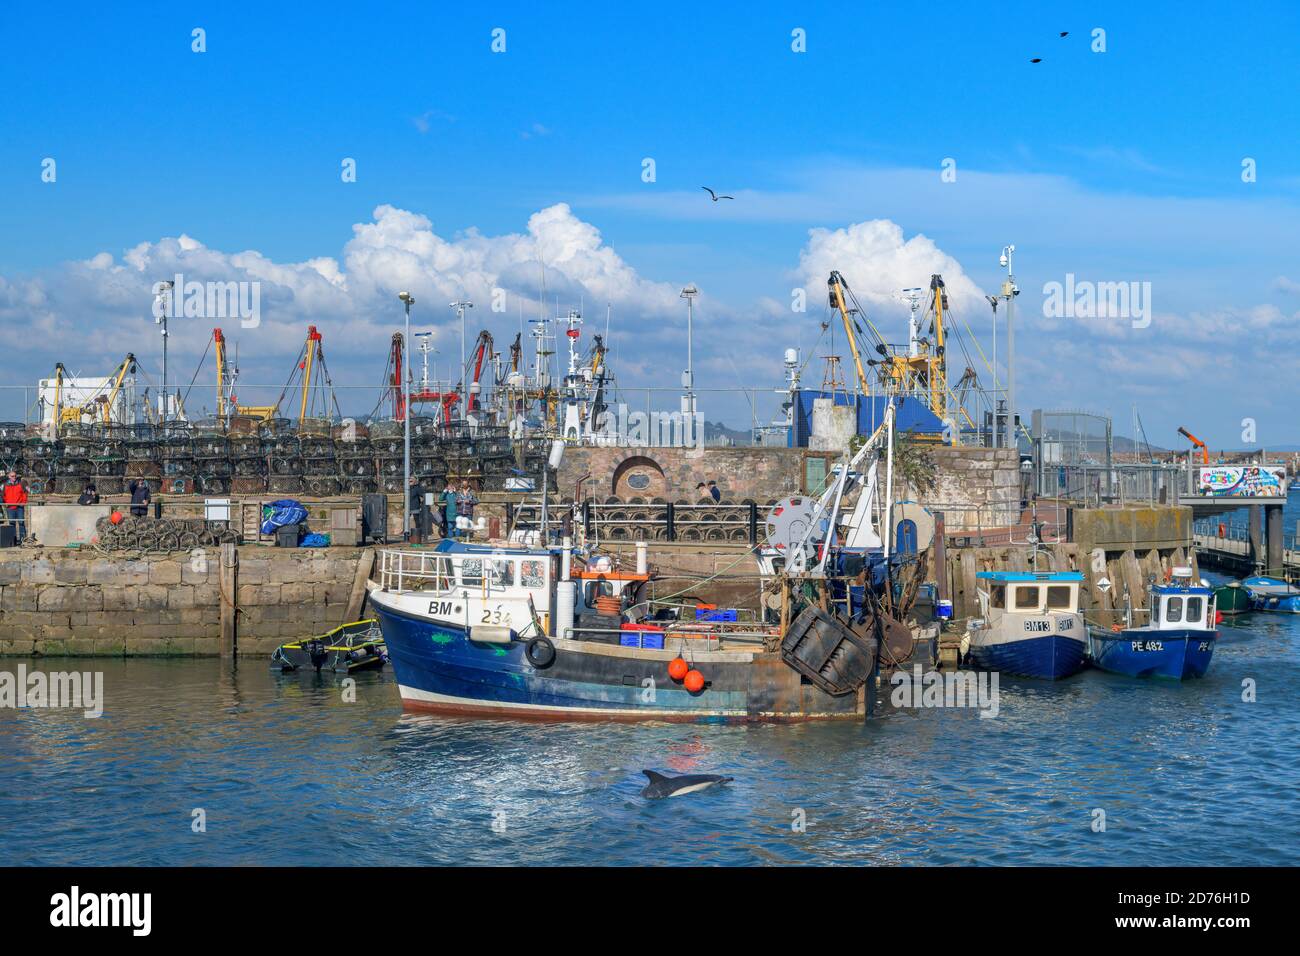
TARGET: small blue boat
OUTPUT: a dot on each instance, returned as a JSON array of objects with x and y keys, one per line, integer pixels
[
  {"x": 1030, "y": 625},
  {"x": 1272, "y": 594},
  {"x": 1177, "y": 644}
]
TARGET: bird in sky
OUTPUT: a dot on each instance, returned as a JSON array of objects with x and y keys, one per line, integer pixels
[
  {"x": 1039, "y": 59},
  {"x": 715, "y": 196}
]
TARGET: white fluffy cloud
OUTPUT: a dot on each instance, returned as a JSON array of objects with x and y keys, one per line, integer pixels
[
  {"x": 877, "y": 262},
  {"x": 83, "y": 312},
  {"x": 88, "y": 313}
]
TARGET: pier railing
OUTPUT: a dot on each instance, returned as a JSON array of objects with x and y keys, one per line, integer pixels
[
  {"x": 653, "y": 521},
  {"x": 414, "y": 570}
]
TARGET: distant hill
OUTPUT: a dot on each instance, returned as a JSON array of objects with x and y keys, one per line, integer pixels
[{"x": 716, "y": 433}]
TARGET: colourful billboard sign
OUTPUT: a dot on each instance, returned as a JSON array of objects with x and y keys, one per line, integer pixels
[{"x": 1242, "y": 481}]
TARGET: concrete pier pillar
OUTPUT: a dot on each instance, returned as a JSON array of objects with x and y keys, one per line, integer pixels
[
  {"x": 1256, "y": 528},
  {"x": 1274, "y": 539}
]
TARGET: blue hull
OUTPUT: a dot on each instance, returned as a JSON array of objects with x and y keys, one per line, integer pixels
[
  {"x": 438, "y": 668},
  {"x": 1258, "y": 587},
  {"x": 1050, "y": 657},
  {"x": 1167, "y": 654},
  {"x": 1286, "y": 605}
]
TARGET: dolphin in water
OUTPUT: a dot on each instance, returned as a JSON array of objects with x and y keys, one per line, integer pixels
[{"x": 661, "y": 786}]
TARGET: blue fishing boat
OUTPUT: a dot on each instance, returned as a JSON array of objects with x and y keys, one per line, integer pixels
[
  {"x": 1029, "y": 624},
  {"x": 521, "y": 632},
  {"x": 1272, "y": 594},
  {"x": 1176, "y": 644}
]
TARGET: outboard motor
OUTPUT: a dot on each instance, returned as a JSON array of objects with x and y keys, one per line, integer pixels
[{"x": 316, "y": 650}]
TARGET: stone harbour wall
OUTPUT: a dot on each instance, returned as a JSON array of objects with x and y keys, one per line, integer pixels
[
  {"x": 75, "y": 602},
  {"x": 974, "y": 487},
  {"x": 762, "y": 474}
]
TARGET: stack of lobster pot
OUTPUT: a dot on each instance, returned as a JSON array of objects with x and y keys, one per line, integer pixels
[
  {"x": 247, "y": 464},
  {"x": 144, "y": 455},
  {"x": 319, "y": 468},
  {"x": 283, "y": 463},
  {"x": 212, "y": 465},
  {"x": 387, "y": 441},
  {"x": 108, "y": 457},
  {"x": 13, "y": 440},
  {"x": 177, "y": 454},
  {"x": 355, "y": 457}
]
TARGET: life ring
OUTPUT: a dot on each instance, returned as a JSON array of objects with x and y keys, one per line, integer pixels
[{"x": 540, "y": 652}]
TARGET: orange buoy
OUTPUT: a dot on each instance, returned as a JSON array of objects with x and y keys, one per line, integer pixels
[
  {"x": 115, "y": 517},
  {"x": 677, "y": 668},
  {"x": 694, "y": 681}
]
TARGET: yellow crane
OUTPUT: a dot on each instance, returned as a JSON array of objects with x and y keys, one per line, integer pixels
[
  {"x": 923, "y": 370},
  {"x": 118, "y": 377},
  {"x": 920, "y": 370},
  {"x": 838, "y": 288},
  {"x": 57, "y": 420},
  {"x": 226, "y": 386},
  {"x": 312, "y": 348}
]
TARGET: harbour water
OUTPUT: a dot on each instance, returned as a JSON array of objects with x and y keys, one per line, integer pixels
[{"x": 286, "y": 771}]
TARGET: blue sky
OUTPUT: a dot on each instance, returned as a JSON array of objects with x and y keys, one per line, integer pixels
[{"x": 1115, "y": 166}]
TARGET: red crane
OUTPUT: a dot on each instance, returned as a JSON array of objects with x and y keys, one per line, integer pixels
[{"x": 448, "y": 400}]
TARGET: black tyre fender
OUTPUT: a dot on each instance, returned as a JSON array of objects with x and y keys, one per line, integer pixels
[{"x": 540, "y": 652}]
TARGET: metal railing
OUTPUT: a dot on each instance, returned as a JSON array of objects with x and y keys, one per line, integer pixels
[
  {"x": 402, "y": 570},
  {"x": 663, "y": 521}
]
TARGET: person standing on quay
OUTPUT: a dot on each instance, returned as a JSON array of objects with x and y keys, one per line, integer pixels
[
  {"x": 140, "y": 497},
  {"x": 449, "y": 510},
  {"x": 16, "y": 503},
  {"x": 466, "y": 506}
]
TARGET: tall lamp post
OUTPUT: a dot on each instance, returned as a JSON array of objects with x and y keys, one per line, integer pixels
[
  {"x": 408, "y": 300},
  {"x": 1009, "y": 292},
  {"x": 460, "y": 305},
  {"x": 162, "y": 295},
  {"x": 688, "y": 377}
]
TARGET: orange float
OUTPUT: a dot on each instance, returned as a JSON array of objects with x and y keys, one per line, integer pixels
[
  {"x": 694, "y": 681},
  {"x": 677, "y": 669},
  {"x": 115, "y": 517}
]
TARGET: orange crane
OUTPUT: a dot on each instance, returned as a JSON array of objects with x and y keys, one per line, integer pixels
[{"x": 1196, "y": 443}]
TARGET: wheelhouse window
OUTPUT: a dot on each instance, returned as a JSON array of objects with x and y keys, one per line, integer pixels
[
  {"x": 1173, "y": 610},
  {"x": 1194, "y": 610},
  {"x": 471, "y": 572},
  {"x": 1060, "y": 597},
  {"x": 1028, "y": 598},
  {"x": 998, "y": 596},
  {"x": 502, "y": 573},
  {"x": 532, "y": 574}
]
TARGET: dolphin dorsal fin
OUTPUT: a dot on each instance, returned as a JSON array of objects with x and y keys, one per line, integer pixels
[{"x": 654, "y": 776}]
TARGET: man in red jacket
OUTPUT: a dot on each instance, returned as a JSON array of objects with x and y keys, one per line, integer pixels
[{"x": 15, "y": 496}]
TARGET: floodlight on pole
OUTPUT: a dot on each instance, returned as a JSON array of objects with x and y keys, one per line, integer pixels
[
  {"x": 690, "y": 293},
  {"x": 408, "y": 300},
  {"x": 459, "y": 306},
  {"x": 162, "y": 295}
]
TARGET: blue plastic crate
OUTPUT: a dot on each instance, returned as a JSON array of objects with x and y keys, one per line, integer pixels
[
  {"x": 716, "y": 614},
  {"x": 643, "y": 639}
]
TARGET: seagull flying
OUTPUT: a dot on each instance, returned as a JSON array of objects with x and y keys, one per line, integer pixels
[{"x": 715, "y": 196}]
